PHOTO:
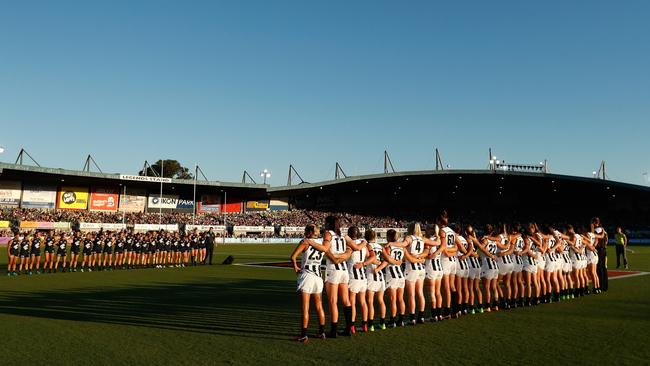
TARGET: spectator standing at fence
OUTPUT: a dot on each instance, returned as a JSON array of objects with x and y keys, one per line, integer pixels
[
  {"x": 621, "y": 247},
  {"x": 209, "y": 245}
]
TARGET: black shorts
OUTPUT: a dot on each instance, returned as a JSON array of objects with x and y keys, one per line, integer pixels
[
  {"x": 74, "y": 251},
  {"x": 88, "y": 253},
  {"x": 119, "y": 251},
  {"x": 49, "y": 251},
  {"x": 108, "y": 251},
  {"x": 61, "y": 253},
  {"x": 24, "y": 255},
  {"x": 36, "y": 254},
  {"x": 14, "y": 254},
  {"x": 98, "y": 251}
]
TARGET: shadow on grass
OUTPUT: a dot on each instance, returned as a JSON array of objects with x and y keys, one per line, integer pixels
[{"x": 244, "y": 308}]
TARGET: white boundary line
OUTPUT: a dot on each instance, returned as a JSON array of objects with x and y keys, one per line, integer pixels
[
  {"x": 256, "y": 264},
  {"x": 630, "y": 275}
]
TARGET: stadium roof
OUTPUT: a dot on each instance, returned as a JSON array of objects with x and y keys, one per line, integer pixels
[{"x": 116, "y": 176}]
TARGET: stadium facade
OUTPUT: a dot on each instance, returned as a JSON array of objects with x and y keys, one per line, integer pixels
[{"x": 482, "y": 195}]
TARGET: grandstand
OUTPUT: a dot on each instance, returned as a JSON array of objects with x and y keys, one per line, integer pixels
[{"x": 38, "y": 194}]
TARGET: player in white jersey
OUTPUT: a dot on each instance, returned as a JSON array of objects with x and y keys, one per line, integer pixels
[
  {"x": 590, "y": 240},
  {"x": 415, "y": 246},
  {"x": 450, "y": 242},
  {"x": 310, "y": 283},
  {"x": 474, "y": 282},
  {"x": 358, "y": 282},
  {"x": 505, "y": 262},
  {"x": 541, "y": 264},
  {"x": 552, "y": 266},
  {"x": 567, "y": 266},
  {"x": 462, "y": 272},
  {"x": 577, "y": 259},
  {"x": 376, "y": 281},
  {"x": 489, "y": 268},
  {"x": 531, "y": 255},
  {"x": 394, "y": 255},
  {"x": 433, "y": 273},
  {"x": 517, "y": 279},
  {"x": 337, "y": 276}
]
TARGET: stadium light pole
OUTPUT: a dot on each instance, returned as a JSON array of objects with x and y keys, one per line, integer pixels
[
  {"x": 123, "y": 212},
  {"x": 162, "y": 174},
  {"x": 265, "y": 174},
  {"x": 196, "y": 171}
]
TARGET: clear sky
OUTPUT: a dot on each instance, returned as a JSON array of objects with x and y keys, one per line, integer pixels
[{"x": 237, "y": 85}]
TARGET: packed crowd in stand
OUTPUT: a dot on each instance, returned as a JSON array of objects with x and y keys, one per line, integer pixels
[
  {"x": 72, "y": 251},
  {"x": 266, "y": 218},
  {"x": 452, "y": 268}
]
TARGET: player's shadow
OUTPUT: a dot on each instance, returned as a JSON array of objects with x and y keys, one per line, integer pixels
[{"x": 243, "y": 308}]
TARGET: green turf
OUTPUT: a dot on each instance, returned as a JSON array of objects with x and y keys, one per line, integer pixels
[{"x": 246, "y": 315}]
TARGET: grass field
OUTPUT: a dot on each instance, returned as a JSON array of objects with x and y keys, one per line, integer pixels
[{"x": 248, "y": 315}]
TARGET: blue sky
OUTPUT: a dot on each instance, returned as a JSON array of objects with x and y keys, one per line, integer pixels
[{"x": 237, "y": 85}]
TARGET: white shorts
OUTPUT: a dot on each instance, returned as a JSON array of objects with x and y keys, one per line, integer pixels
[
  {"x": 336, "y": 277},
  {"x": 474, "y": 273},
  {"x": 413, "y": 275},
  {"x": 517, "y": 267},
  {"x": 462, "y": 268},
  {"x": 541, "y": 263},
  {"x": 394, "y": 282},
  {"x": 505, "y": 268},
  {"x": 592, "y": 258},
  {"x": 566, "y": 267},
  {"x": 433, "y": 275},
  {"x": 357, "y": 286},
  {"x": 531, "y": 268},
  {"x": 489, "y": 274},
  {"x": 376, "y": 286},
  {"x": 310, "y": 283},
  {"x": 449, "y": 267}
]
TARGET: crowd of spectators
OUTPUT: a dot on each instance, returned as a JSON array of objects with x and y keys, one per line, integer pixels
[{"x": 297, "y": 218}]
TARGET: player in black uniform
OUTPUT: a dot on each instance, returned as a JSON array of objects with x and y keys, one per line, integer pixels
[
  {"x": 184, "y": 250},
  {"x": 98, "y": 245},
  {"x": 175, "y": 255},
  {"x": 49, "y": 252},
  {"x": 108, "y": 251},
  {"x": 144, "y": 248},
  {"x": 61, "y": 251},
  {"x": 35, "y": 254},
  {"x": 194, "y": 246},
  {"x": 13, "y": 251},
  {"x": 119, "y": 250},
  {"x": 24, "y": 254},
  {"x": 202, "y": 246},
  {"x": 128, "y": 250},
  {"x": 88, "y": 253},
  {"x": 75, "y": 248}
]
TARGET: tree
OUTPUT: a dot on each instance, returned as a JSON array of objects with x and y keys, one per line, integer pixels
[{"x": 172, "y": 169}]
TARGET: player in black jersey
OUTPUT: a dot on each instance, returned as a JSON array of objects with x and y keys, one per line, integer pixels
[
  {"x": 144, "y": 248},
  {"x": 194, "y": 246},
  {"x": 61, "y": 251},
  {"x": 109, "y": 242},
  {"x": 98, "y": 246},
  {"x": 202, "y": 248},
  {"x": 13, "y": 251},
  {"x": 35, "y": 254},
  {"x": 49, "y": 252},
  {"x": 24, "y": 254},
  {"x": 185, "y": 250},
  {"x": 87, "y": 252},
  {"x": 75, "y": 249},
  {"x": 119, "y": 250}
]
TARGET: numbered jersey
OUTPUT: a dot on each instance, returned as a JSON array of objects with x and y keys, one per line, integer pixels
[
  {"x": 312, "y": 259},
  {"x": 394, "y": 270},
  {"x": 416, "y": 248},
  {"x": 358, "y": 256},
  {"x": 519, "y": 247},
  {"x": 592, "y": 241},
  {"x": 491, "y": 248},
  {"x": 449, "y": 239},
  {"x": 370, "y": 271},
  {"x": 337, "y": 246},
  {"x": 434, "y": 264},
  {"x": 507, "y": 259}
]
